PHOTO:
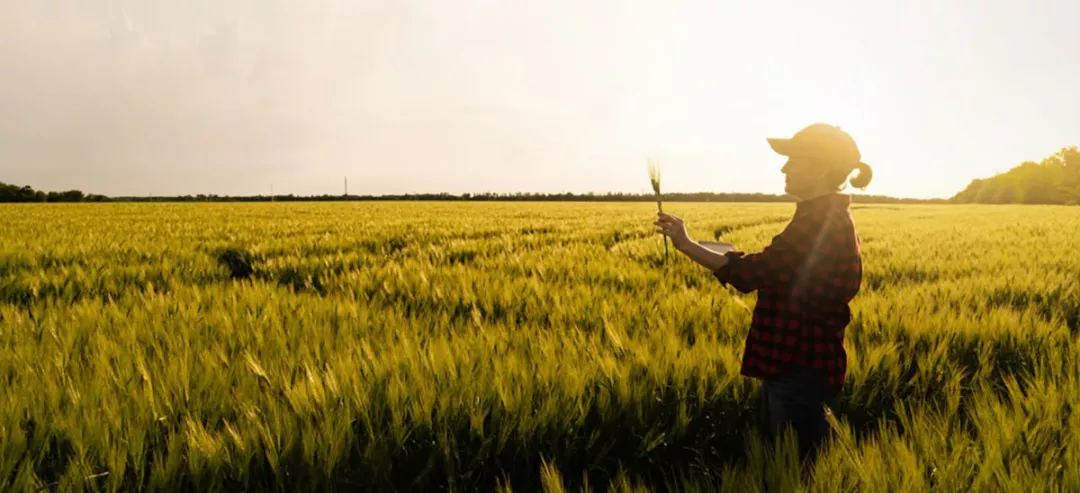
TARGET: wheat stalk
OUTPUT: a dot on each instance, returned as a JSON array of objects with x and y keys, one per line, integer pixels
[{"x": 654, "y": 179}]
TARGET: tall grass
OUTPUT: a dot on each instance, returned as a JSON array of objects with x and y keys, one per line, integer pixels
[{"x": 469, "y": 347}]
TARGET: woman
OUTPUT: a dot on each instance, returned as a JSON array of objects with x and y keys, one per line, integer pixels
[{"x": 805, "y": 280}]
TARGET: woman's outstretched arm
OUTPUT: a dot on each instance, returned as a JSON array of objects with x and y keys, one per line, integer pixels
[
  {"x": 674, "y": 228},
  {"x": 702, "y": 255}
]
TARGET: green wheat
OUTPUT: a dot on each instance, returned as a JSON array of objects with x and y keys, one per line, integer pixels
[{"x": 513, "y": 347}]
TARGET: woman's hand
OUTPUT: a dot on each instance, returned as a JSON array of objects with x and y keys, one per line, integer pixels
[{"x": 672, "y": 227}]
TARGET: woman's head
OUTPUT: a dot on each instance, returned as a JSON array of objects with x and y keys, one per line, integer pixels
[
  {"x": 821, "y": 159},
  {"x": 807, "y": 177}
]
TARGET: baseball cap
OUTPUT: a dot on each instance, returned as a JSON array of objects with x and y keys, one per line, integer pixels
[{"x": 820, "y": 141}]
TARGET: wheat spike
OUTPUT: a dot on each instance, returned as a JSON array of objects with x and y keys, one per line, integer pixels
[{"x": 654, "y": 179}]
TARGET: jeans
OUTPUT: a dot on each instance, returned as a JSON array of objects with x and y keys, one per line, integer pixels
[{"x": 795, "y": 398}]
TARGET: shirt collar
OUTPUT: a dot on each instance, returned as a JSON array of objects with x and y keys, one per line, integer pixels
[{"x": 823, "y": 203}]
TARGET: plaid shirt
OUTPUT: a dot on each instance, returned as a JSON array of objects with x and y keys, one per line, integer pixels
[{"x": 805, "y": 280}]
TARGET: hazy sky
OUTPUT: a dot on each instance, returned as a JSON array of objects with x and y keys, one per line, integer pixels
[{"x": 233, "y": 96}]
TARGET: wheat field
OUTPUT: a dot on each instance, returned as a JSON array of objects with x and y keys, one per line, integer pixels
[{"x": 425, "y": 346}]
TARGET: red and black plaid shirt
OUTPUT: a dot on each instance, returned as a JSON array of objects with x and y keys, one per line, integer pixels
[{"x": 805, "y": 280}]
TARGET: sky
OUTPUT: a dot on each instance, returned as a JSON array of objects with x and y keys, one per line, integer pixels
[{"x": 241, "y": 97}]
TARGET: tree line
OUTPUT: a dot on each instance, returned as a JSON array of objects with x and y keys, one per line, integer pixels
[
  {"x": 1054, "y": 180},
  {"x": 14, "y": 193},
  {"x": 520, "y": 197}
]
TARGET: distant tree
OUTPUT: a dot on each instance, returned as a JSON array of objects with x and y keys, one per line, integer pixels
[
  {"x": 7, "y": 192},
  {"x": 27, "y": 194},
  {"x": 72, "y": 196}
]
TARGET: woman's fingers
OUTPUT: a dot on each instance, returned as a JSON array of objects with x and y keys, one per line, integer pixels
[
  {"x": 666, "y": 223},
  {"x": 668, "y": 217}
]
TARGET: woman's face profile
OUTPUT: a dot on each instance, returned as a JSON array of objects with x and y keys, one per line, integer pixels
[{"x": 803, "y": 176}]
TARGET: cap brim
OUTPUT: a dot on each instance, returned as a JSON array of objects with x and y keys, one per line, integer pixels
[{"x": 783, "y": 147}]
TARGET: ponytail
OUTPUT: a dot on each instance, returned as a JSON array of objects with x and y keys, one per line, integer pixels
[{"x": 864, "y": 176}]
